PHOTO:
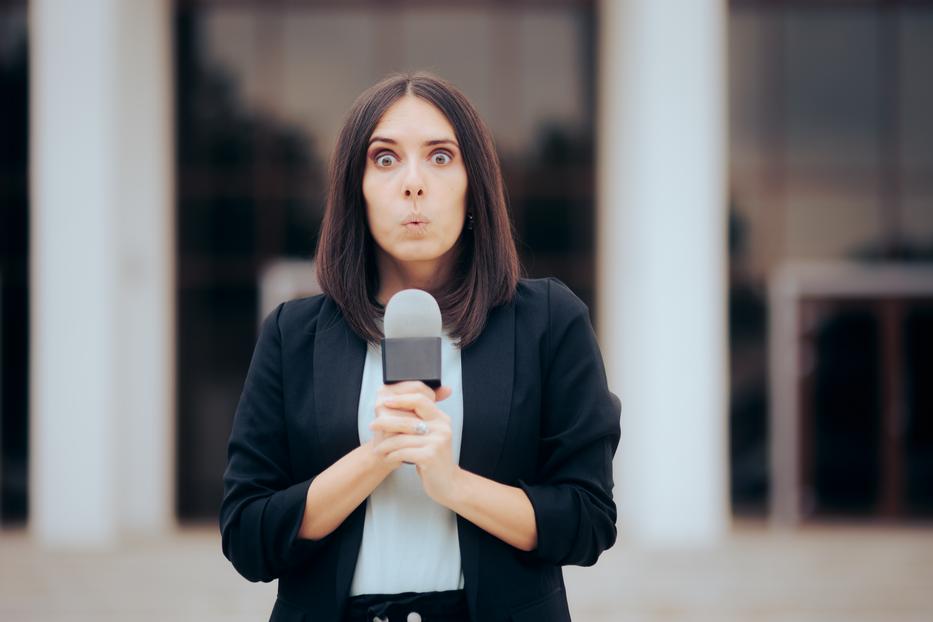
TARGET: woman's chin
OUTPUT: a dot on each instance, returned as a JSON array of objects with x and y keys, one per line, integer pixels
[
  {"x": 417, "y": 251},
  {"x": 418, "y": 258}
]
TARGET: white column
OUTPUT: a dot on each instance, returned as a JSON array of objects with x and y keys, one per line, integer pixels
[
  {"x": 662, "y": 263},
  {"x": 102, "y": 280}
]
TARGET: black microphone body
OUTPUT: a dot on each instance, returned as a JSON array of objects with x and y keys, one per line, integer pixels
[{"x": 412, "y": 358}]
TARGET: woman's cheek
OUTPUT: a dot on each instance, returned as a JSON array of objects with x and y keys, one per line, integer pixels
[{"x": 382, "y": 233}]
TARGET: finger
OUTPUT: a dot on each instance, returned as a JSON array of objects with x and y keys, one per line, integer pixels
[
  {"x": 422, "y": 406},
  {"x": 379, "y": 436},
  {"x": 414, "y": 455},
  {"x": 385, "y": 411},
  {"x": 442, "y": 393},
  {"x": 408, "y": 386},
  {"x": 401, "y": 441},
  {"x": 401, "y": 425}
]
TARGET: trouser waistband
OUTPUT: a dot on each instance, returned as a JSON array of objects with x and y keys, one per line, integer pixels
[{"x": 445, "y": 606}]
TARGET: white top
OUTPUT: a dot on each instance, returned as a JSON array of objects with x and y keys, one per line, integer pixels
[{"x": 409, "y": 542}]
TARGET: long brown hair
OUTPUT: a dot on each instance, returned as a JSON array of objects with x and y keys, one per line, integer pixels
[{"x": 486, "y": 268}]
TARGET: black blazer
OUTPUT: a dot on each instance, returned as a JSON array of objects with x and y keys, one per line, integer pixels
[{"x": 537, "y": 413}]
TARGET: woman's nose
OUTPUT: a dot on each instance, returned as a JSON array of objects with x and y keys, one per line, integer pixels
[{"x": 413, "y": 184}]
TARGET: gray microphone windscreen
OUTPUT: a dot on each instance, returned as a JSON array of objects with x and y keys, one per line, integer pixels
[{"x": 412, "y": 313}]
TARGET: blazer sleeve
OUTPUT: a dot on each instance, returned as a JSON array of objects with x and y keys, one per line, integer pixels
[
  {"x": 262, "y": 507},
  {"x": 572, "y": 498}
]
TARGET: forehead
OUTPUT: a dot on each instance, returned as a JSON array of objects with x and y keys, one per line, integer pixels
[{"x": 413, "y": 117}]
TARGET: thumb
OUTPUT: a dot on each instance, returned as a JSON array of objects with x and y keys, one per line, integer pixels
[{"x": 442, "y": 393}]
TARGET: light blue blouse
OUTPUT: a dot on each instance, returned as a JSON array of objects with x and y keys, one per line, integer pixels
[{"x": 409, "y": 542}]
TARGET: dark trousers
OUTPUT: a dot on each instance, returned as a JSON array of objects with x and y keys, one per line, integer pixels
[{"x": 446, "y": 606}]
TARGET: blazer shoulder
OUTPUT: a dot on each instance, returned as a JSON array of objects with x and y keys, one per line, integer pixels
[
  {"x": 300, "y": 314},
  {"x": 549, "y": 295}
]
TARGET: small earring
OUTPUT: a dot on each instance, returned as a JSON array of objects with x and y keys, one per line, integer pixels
[{"x": 469, "y": 222}]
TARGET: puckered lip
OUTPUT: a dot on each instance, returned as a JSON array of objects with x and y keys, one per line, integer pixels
[{"x": 415, "y": 220}]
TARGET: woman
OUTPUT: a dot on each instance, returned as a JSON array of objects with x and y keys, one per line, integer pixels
[{"x": 509, "y": 478}]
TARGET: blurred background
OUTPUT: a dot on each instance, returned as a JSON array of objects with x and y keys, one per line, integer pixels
[{"x": 162, "y": 171}]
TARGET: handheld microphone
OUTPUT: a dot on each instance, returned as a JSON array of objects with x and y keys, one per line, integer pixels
[{"x": 411, "y": 349}]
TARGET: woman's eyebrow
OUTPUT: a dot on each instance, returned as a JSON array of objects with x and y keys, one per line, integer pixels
[{"x": 427, "y": 143}]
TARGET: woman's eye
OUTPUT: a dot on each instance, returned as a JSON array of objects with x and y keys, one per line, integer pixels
[
  {"x": 441, "y": 158},
  {"x": 385, "y": 159}
]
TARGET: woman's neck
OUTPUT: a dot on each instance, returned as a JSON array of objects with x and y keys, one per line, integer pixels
[{"x": 394, "y": 276}]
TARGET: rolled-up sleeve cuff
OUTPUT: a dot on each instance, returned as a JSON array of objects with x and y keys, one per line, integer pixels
[
  {"x": 556, "y": 521},
  {"x": 281, "y": 522}
]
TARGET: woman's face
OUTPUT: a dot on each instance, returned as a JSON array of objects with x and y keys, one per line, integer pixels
[{"x": 415, "y": 183}]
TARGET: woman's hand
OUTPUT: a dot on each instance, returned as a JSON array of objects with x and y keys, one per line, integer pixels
[
  {"x": 388, "y": 391},
  {"x": 401, "y": 408}
]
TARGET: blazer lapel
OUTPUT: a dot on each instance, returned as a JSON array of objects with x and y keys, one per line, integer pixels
[
  {"x": 488, "y": 369},
  {"x": 339, "y": 356}
]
